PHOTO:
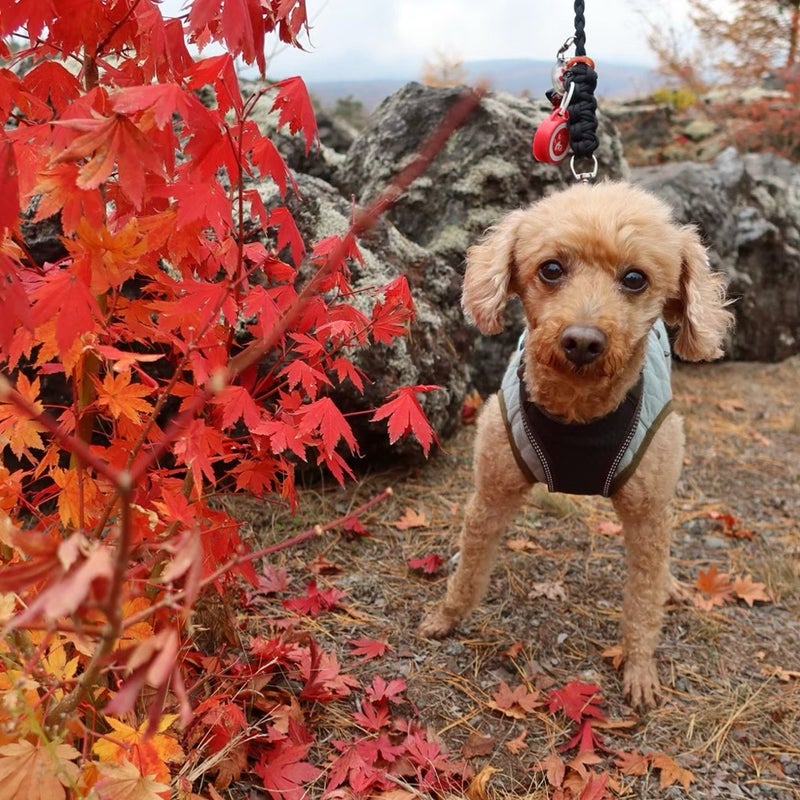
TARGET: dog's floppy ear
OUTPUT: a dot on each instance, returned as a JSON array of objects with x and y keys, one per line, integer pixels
[
  {"x": 488, "y": 274},
  {"x": 699, "y": 311}
]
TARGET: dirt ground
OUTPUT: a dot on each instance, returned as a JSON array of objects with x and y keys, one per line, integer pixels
[{"x": 731, "y": 712}]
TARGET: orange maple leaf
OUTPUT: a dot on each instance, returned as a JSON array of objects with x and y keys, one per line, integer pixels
[
  {"x": 517, "y": 744},
  {"x": 633, "y": 763},
  {"x": 125, "y": 782},
  {"x": 121, "y": 397},
  {"x": 671, "y": 772},
  {"x": 412, "y": 519},
  {"x": 17, "y": 431},
  {"x": 517, "y": 703},
  {"x": 37, "y": 771},
  {"x": 112, "y": 256},
  {"x": 152, "y": 754},
  {"x": 79, "y": 497},
  {"x": 749, "y": 590},
  {"x": 554, "y": 767},
  {"x": 715, "y": 588}
]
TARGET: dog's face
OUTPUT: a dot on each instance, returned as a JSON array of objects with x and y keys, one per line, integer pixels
[{"x": 595, "y": 266}]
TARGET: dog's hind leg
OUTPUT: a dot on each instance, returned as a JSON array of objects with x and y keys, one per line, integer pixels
[{"x": 499, "y": 490}]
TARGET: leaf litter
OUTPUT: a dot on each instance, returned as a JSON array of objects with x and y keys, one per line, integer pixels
[{"x": 729, "y": 724}]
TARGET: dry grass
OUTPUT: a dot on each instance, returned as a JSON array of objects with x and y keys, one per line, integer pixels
[{"x": 727, "y": 714}]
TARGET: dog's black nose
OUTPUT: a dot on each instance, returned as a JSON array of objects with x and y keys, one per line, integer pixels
[{"x": 582, "y": 344}]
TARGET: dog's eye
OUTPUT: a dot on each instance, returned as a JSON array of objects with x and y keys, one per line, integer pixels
[
  {"x": 634, "y": 281},
  {"x": 551, "y": 272}
]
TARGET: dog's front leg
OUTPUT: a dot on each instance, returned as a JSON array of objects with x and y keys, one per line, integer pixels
[
  {"x": 499, "y": 490},
  {"x": 643, "y": 505}
]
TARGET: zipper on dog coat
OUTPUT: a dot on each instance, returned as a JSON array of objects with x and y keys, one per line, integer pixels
[{"x": 596, "y": 457}]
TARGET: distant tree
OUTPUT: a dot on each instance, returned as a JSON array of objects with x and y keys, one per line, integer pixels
[
  {"x": 351, "y": 110},
  {"x": 444, "y": 70},
  {"x": 738, "y": 45},
  {"x": 739, "y": 42}
]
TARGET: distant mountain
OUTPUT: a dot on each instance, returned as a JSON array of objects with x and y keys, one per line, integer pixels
[{"x": 514, "y": 75}]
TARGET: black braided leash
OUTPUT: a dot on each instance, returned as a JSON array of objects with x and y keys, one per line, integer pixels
[{"x": 580, "y": 75}]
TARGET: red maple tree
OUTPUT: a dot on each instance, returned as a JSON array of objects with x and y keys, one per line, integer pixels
[{"x": 163, "y": 356}]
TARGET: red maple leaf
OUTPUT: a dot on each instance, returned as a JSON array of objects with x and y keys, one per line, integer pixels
[
  {"x": 9, "y": 208},
  {"x": 284, "y": 771},
  {"x": 64, "y": 294},
  {"x": 577, "y": 700},
  {"x": 314, "y": 602},
  {"x": 106, "y": 141},
  {"x": 348, "y": 765},
  {"x": 295, "y": 109},
  {"x": 405, "y": 415},
  {"x": 216, "y": 71},
  {"x": 368, "y": 649},
  {"x": 372, "y": 717},
  {"x": 324, "y": 417},
  {"x": 236, "y": 403},
  {"x": 391, "y": 317},
  {"x": 586, "y": 739},
  {"x": 324, "y": 680},
  {"x": 380, "y": 690},
  {"x": 288, "y": 233},
  {"x": 266, "y": 157},
  {"x": 429, "y": 564},
  {"x": 517, "y": 702}
]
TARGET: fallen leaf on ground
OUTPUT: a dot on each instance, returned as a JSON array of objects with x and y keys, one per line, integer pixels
[
  {"x": 478, "y": 745},
  {"x": 517, "y": 744},
  {"x": 609, "y": 528},
  {"x": 632, "y": 763},
  {"x": 521, "y": 545},
  {"x": 731, "y": 405},
  {"x": 671, "y": 772},
  {"x": 516, "y": 703},
  {"x": 429, "y": 564},
  {"x": 614, "y": 653},
  {"x": 514, "y": 650},
  {"x": 320, "y": 565},
  {"x": 748, "y": 590},
  {"x": 554, "y": 769},
  {"x": 412, "y": 519},
  {"x": 715, "y": 588},
  {"x": 125, "y": 782},
  {"x": 780, "y": 673},
  {"x": 36, "y": 771},
  {"x": 477, "y": 789},
  {"x": 552, "y": 590},
  {"x": 152, "y": 753},
  {"x": 368, "y": 649}
]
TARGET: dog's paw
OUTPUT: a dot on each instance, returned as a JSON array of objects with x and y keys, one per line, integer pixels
[
  {"x": 437, "y": 624},
  {"x": 678, "y": 591},
  {"x": 640, "y": 684}
]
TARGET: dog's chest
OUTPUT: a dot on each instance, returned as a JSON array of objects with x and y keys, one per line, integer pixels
[{"x": 594, "y": 458}]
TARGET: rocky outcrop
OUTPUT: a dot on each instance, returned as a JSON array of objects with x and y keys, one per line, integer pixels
[
  {"x": 486, "y": 169},
  {"x": 748, "y": 209}
]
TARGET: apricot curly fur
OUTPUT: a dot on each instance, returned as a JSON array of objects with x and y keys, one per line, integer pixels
[{"x": 596, "y": 233}]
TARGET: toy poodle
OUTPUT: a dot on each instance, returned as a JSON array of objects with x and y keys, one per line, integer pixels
[{"x": 585, "y": 405}]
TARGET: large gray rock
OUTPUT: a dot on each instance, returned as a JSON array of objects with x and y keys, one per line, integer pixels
[
  {"x": 486, "y": 169},
  {"x": 748, "y": 210}
]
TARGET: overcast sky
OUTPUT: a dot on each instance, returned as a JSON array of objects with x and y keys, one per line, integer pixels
[{"x": 376, "y": 38}]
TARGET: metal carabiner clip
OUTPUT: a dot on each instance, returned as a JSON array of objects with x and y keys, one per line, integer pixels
[{"x": 584, "y": 177}]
